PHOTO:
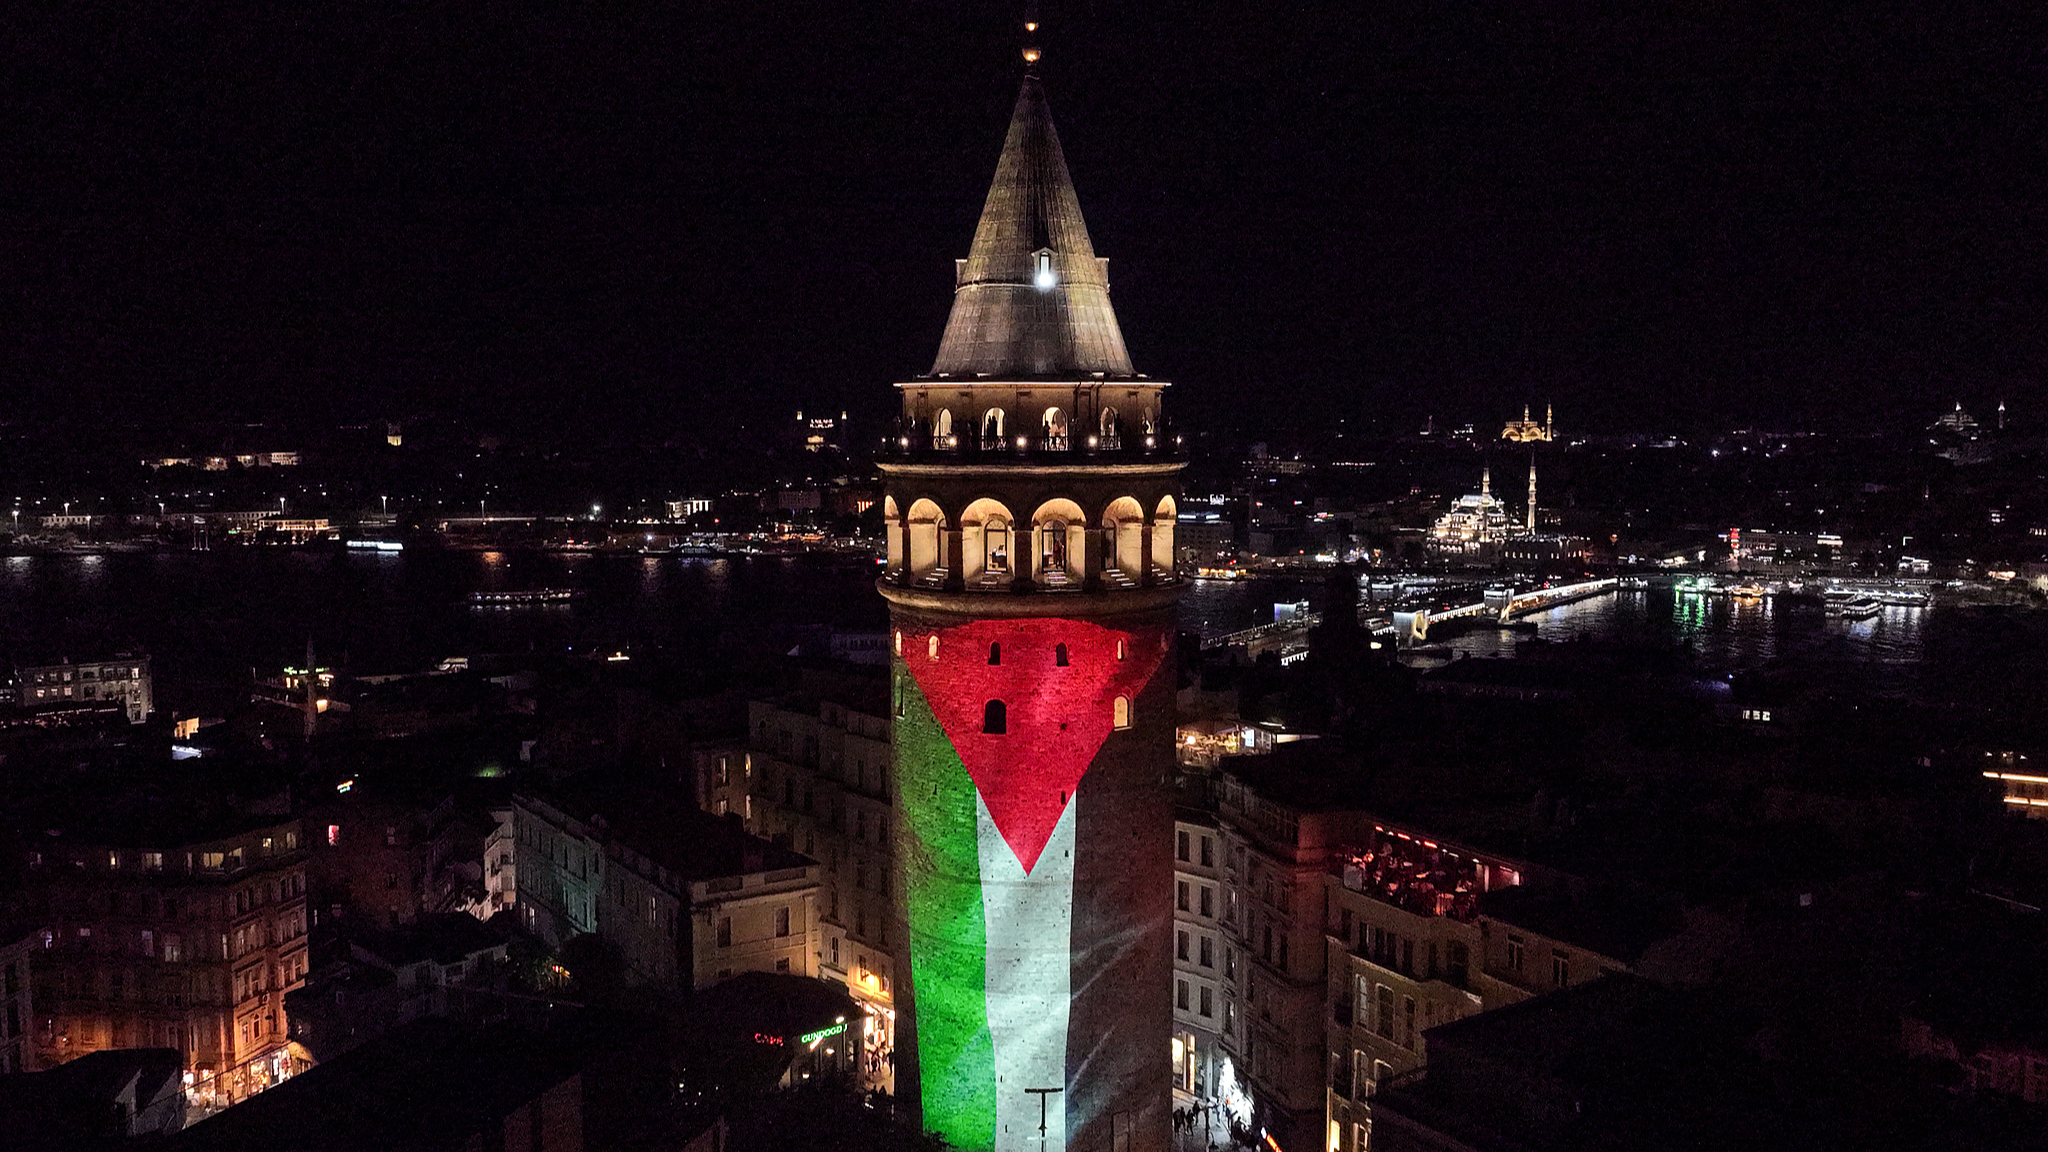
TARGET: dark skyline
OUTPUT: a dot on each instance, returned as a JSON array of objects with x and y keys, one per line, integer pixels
[{"x": 684, "y": 215}]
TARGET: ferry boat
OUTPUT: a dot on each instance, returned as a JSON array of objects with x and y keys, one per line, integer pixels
[
  {"x": 1854, "y": 607},
  {"x": 523, "y": 597},
  {"x": 1750, "y": 593}
]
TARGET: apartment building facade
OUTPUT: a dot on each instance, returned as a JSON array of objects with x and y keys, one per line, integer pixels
[
  {"x": 122, "y": 681},
  {"x": 815, "y": 778},
  {"x": 1205, "y": 959},
  {"x": 17, "y": 996},
  {"x": 188, "y": 945},
  {"x": 1275, "y": 850},
  {"x": 688, "y": 898}
]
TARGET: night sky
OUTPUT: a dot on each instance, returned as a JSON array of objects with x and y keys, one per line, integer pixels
[{"x": 643, "y": 216}]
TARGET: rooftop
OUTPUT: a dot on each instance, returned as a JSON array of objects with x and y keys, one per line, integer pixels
[{"x": 1032, "y": 299}]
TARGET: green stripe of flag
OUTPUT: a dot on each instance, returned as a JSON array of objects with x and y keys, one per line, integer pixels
[{"x": 948, "y": 940}]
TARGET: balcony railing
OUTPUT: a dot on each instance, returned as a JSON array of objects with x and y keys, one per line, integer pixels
[{"x": 969, "y": 448}]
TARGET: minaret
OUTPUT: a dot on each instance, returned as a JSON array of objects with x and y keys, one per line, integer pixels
[
  {"x": 1486, "y": 480},
  {"x": 1029, "y": 497},
  {"x": 1549, "y": 429},
  {"x": 1532, "y": 493}
]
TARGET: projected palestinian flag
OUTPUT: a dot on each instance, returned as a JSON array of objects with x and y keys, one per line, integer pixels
[{"x": 1000, "y": 724}]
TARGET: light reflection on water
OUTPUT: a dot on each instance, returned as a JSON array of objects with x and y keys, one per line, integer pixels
[
  {"x": 1722, "y": 634},
  {"x": 1942, "y": 652}
]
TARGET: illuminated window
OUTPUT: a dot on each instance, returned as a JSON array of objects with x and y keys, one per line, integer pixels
[
  {"x": 333, "y": 834},
  {"x": 931, "y": 648},
  {"x": 1119, "y": 649},
  {"x": 899, "y": 643},
  {"x": 1120, "y": 712},
  {"x": 993, "y": 718},
  {"x": 1059, "y": 655}
]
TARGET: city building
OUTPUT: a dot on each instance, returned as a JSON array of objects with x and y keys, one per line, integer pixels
[
  {"x": 816, "y": 778},
  {"x": 1205, "y": 959},
  {"x": 114, "y": 1099},
  {"x": 173, "y": 940},
  {"x": 1029, "y": 506},
  {"x": 1620, "y": 1062},
  {"x": 1278, "y": 839},
  {"x": 17, "y": 996},
  {"x": 1477, "y": 521},
  {"x": 448, "y": 965},
  {"x": 1527, "y": 431},
  {"x": 687, "y": 898},
  {"x": 1407, "y": 951},
  {"x": 439, "y": 1085},
  {"x": 123, "y": 681},
  {"x": 376, "y": 858}
]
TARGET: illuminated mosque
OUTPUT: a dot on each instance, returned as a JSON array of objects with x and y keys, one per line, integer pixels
[{"x": 1477, "y": 520}]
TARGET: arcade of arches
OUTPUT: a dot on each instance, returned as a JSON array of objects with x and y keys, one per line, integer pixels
[{"x": 1059, "y": 546}]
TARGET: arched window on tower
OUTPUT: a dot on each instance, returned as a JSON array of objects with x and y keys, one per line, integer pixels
[
  {"x": 994, "y": 718},
  {"x": 995, "y": 652},
  {"x": 1119, "y": 648},
  {"x": 1059, "y": 655},
  {"x": 1055, "y": 430},
  {"x": 1120, "y": 712},
  {"x": 931, "y": 647},
  {"x": 1112, "y": 429},
  {"x": 992, "y": 428}
]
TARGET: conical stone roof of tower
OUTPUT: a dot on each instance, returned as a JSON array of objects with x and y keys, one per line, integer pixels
[{"x": 1031, "y": 299}]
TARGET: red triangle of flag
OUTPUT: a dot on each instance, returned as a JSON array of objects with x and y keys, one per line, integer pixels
[{"x": 1053, "y": 717}]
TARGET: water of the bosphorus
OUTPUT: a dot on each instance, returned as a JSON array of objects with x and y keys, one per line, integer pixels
[{"x": 209, "y": 617}]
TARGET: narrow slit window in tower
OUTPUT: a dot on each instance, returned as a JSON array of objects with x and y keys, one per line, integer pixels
[
  {"x": 1059, "y": 655},
  {"x": 993, "y": 718},
  {"x": 995, "y": 652}
]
